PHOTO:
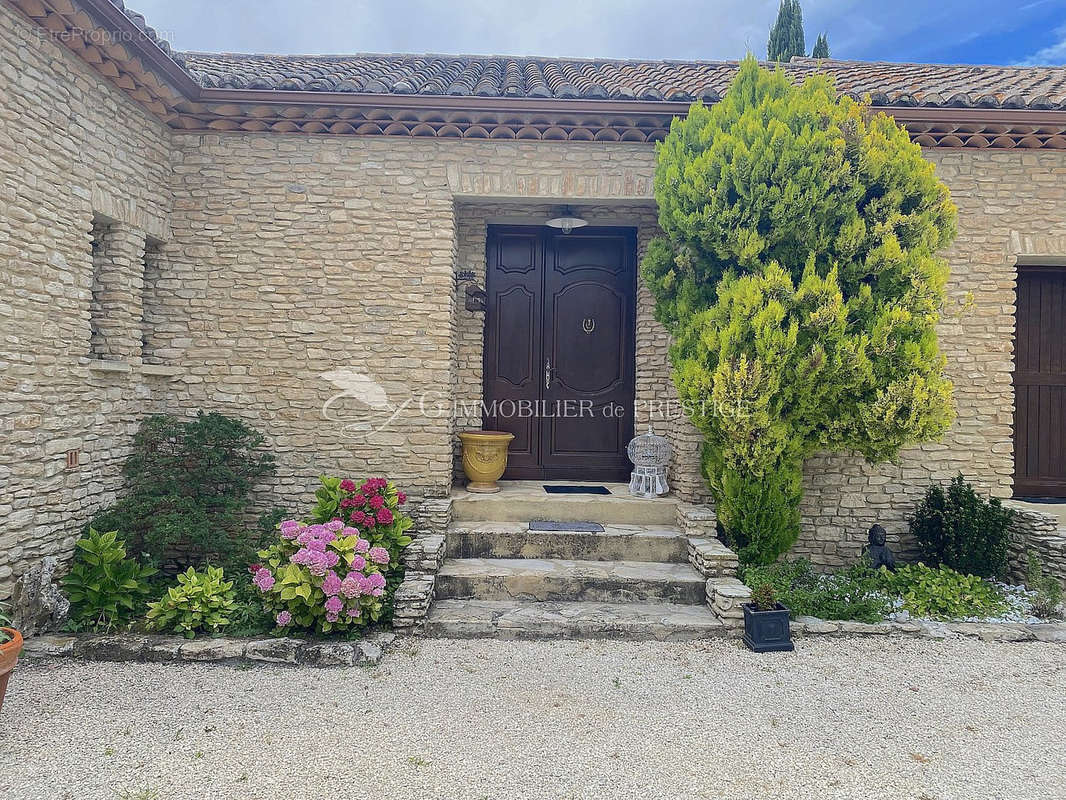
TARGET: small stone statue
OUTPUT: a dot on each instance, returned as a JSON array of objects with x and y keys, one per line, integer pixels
[
  {"x": 878, "y": 552},
  {"x": 37, "y": 605}
]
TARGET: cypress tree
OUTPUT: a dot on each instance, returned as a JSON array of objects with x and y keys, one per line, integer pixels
[
  {"x": 799, "y": 278},
  {"x": 821, "y": 47},
  {"x": 786, "y": 36}
]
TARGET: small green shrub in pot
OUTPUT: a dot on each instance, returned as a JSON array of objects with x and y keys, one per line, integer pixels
[
  {"x": 202, "y": 602},
  {"x": 105, "y": 587},
  {"x": 943, "y": 593},
  {"x": 960, "y": 529},
  {"x": 763, "y": 597},
  {"x": 1046, "y": 591}
]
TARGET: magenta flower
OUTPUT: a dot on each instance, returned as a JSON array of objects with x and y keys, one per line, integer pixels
[
  {"x": 377, "y": 501},
  {"x": 401, "y": 498},
  {"x": 283, "y": 618},
  {"x": 348, "y": 485},
  {"x": 384, "y": 517},
  {"x": 332, "y": 584},
  {"x": 332, "y": 558},
  {"x": 379, "y": 555},
  {"x": 263, "y": 580},
  {"x": 360, "y": 499},
  {"x": 376, "y": 580},
  {"x": 334, "y": 605}
]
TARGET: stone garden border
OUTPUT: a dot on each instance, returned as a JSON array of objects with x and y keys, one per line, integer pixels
[
  {"x": 168, "y": 649},
  {"x": 927, "y": 629}
]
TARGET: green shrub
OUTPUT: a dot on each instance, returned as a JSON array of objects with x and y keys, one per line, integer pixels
[
  {"x": 249, "y": 616},
  {"x": 1046, "y": 589},
  {"x": 851, "y": 593},
  {"x": 943, "y": 593},
  {"x": 764, "y": 598},
  {"x": 104, "y": 586},
  {"x": 5, "y": 622},
  {"x": 799, "y": 278},
  {"x": 201, "y": 602},
  {"x": 962, "y": 530},
  {"x": 187, "y": 489}
]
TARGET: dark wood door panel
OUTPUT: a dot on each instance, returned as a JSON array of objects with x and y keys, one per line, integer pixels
[
  {"x": 1040, "y": 383},
  {"x": 560, "y": 351}
]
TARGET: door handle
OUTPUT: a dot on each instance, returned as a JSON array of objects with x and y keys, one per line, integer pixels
[{"x": 547, "y": 373}]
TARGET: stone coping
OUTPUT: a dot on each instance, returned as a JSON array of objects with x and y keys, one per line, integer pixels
[
  {"x": 149, "y": 648},
  {"x": 927, "y": 629}
]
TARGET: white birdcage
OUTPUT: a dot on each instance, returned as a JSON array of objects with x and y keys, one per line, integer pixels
[{"x": 650, "y": 454}]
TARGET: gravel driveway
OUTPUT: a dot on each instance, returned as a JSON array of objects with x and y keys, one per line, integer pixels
[{"x": 842, "y": 718}]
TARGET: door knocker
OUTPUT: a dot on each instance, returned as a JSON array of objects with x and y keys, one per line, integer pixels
[{"x": 588, "y": 325}]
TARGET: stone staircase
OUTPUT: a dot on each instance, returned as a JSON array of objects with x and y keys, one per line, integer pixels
[{"x": 638, "y": 579}]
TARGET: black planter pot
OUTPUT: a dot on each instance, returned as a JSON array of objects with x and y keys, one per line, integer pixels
[{"x": 767, "y": 631}]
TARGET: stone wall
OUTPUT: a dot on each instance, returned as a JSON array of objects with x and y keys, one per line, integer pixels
[
  {"x": 307, "y": 284},
  {"x": 72, "y": 149},
  {"x": 1041, "y": 534},
  {"x": 1012, "y": 204}
]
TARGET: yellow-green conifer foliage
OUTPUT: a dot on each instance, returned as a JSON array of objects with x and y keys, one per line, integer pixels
[{"x": 800, "y": 279}]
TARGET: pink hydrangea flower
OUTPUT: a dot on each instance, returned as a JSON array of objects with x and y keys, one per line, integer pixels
[
  {"x": 354, "y": 611},
  {"x": 332, "y": 584},
  {"x": 379, "y": 555},
  {"x": 289, "y": 529},
  {"x": 263, "y": 580},
  {"x": 351, "y": 587},
  {"x": 331, "y": 617},
  {"x": 376, "y": 580},
  {"x": 334, "y": 605},
  {"x": 362, "y": 546},
  {"x": 317, "y": 545},
  {"x": 350, "y": 532},
  {"x": 334, "y": 525},
  {"x": 384, "y": 517},
  {"x": 332, "y": 558},
  {"x": 283, "y": 618},
  {"x": 358, "y": 562},
  {"x": 401, "y": 498}
]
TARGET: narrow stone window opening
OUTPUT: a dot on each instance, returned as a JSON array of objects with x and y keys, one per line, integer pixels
[
  {"x": 101, "y": 257},
  {"x": 151, "y": 301}
]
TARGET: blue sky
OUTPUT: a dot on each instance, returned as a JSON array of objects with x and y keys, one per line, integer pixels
[{"x": 944, "y": 31}]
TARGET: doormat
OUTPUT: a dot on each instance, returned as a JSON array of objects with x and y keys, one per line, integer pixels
[
  {"x": 577, "y": 490},
  {"x": 1054, "y": 501},
  {"x": 570, "y": 527}
]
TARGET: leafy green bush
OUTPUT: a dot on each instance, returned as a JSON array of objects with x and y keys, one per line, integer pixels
[
  {"x": 764, "y": 597},
  {"x": 249, "y": 616},
  {"x": 798, "y": 275},
  {"x": 962, "y": 530},
  {"x": 104, "y": 586},
  {"x": 851, "y": 593},
  {"x": 1046, "y": 589},
  {"x": 5, "y": 622},
  {"x": 187, "y": 488},
  {"x": 201, "y": 602},
  {"x": 943, "y": 593}
]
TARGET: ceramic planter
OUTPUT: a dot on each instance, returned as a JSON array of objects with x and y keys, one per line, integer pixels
[
  {"x": 9, "y": 656},
  {"x": 767, "y": 631},
  {"x": 484, "y": 458}
]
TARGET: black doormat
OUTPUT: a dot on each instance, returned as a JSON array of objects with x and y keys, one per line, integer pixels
[
  {"x": 570, "y": 527},
  {"x": 577, "y": 490},
  {"x": 1049, "y": 500}
]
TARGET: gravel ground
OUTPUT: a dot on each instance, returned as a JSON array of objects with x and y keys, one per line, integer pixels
[{"x": 839, "y": 718}]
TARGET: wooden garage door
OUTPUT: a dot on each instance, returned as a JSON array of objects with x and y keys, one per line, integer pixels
[{"x": 1040, "y": 383}]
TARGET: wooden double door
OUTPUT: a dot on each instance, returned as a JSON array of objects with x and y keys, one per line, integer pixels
[
  {"x": 1040, "y": 383},
  {"x": 559, "y": 364}
]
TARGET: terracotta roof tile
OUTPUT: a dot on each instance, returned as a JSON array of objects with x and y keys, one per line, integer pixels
[{"x": 512, "y": 76}]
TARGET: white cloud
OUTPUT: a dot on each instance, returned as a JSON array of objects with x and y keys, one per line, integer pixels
[{"x": 1054, "y": 54}]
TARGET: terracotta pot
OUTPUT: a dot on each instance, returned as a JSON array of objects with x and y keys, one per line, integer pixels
[
  {"x": 484, "y": 458},
  {"x": 9, "y": 656}
]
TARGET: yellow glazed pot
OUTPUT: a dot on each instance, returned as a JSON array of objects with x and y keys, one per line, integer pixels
[{"x": 484, "y": 458}]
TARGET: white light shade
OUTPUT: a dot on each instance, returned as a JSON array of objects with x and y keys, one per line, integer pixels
[{"x": 566, "y": 221}]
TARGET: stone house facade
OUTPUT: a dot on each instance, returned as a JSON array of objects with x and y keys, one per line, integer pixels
[{"x": 269, "y": 236}]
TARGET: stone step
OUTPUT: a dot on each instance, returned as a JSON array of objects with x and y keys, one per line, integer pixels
[
  {"x": 562, "y": 580},
  {"x": 525, "y": 501},
  {"x": 615, "y": 543},
  {"x": 513, "y": 619}
]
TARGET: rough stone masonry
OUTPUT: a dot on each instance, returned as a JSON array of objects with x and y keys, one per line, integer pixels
[{"x": 145, "y": 269}]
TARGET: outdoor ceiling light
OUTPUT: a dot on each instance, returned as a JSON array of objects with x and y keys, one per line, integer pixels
[{"x": 566, "y": 221}]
